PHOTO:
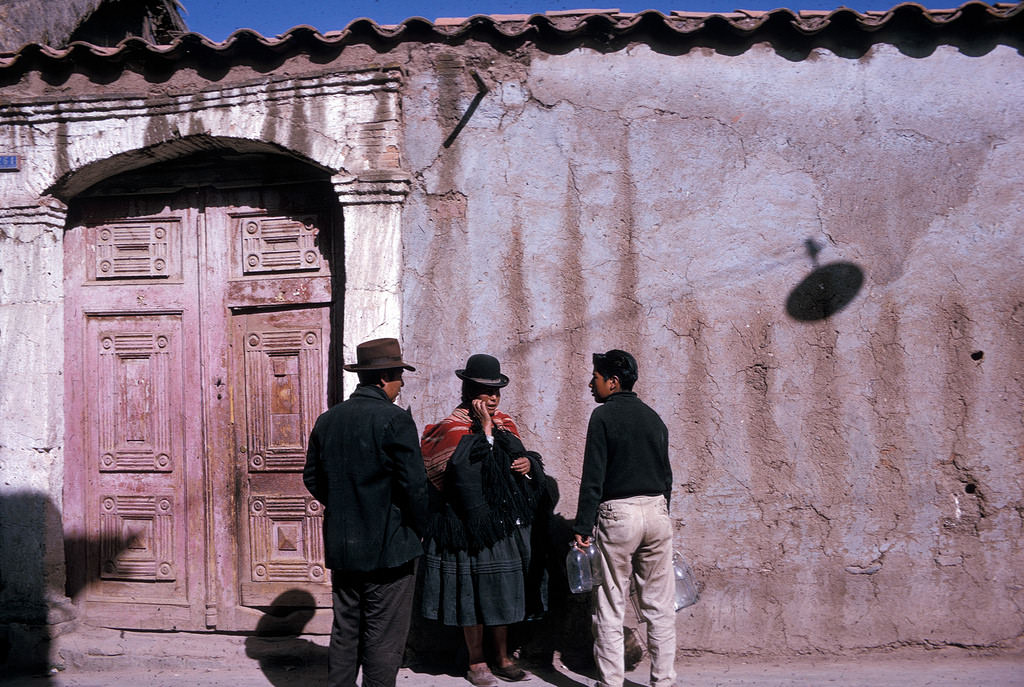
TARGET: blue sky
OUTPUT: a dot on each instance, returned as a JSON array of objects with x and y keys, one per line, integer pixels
[{"x": 218, "y": 18}]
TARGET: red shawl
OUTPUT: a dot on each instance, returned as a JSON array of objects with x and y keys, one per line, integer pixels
[{"x": 439, "y": 441}]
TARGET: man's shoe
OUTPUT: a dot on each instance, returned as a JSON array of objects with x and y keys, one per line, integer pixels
[
  {"x": 511, "y": 673},
  {"x": 481, "y": 677}
]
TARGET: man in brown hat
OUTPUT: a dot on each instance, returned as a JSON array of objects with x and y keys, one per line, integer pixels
[{"x": 364, "y": 465}]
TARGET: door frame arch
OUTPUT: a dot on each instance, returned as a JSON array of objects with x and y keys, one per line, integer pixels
[{"x": 370, "y": 214}]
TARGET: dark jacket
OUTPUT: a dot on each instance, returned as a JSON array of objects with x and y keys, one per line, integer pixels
[
  {"x": 364, "y": 465},
  {"x": 626, "y": 455}
]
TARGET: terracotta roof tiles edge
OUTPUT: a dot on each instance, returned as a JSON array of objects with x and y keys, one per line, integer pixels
[{"x": 571, "y": 24}]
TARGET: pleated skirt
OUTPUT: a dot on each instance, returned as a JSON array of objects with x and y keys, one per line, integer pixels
[{"x": 483, "y": 588}]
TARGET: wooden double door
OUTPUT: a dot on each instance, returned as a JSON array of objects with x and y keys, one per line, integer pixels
[{"x": 198, "y": 347}]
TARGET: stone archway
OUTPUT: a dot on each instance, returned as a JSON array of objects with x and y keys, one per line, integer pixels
[{"x": 343, "y": 122}]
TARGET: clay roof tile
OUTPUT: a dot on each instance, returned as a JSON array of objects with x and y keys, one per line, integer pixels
[{"x": 604, "y": 24}]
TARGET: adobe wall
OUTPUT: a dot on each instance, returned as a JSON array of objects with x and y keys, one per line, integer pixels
[
  {"x": 841, "y": 483},
  {"x": 31, "y": 416}
]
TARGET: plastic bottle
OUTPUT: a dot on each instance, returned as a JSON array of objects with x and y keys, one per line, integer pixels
[
  {"x": 595, "y": 576},
  {"x": 577, "y": 570},
  {"x": 686, "y": 586}
]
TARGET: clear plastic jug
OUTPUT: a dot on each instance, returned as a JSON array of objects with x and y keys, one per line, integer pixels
[
  {"x": 686, "y": 587},
  {"x": 578, "y": 571}
]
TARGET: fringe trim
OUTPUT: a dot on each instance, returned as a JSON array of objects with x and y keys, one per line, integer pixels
[{"x": 511, "y": 501}]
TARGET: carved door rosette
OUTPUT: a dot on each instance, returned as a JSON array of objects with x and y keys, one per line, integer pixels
[
  {"x": 285, "y": 541},
  {"x": 136, "y": 538}
]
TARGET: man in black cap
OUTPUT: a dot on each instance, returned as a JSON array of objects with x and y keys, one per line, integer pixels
[{"x": 364, "y": 465}]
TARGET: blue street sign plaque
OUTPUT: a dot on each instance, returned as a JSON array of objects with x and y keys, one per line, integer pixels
[{"x": 10, "y": 163}]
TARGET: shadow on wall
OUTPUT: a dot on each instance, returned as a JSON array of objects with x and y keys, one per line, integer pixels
[
  {"x": 28, "y": 559},
  {"x": 826, "y": 290},
  {"x": 33, "y": 606}
]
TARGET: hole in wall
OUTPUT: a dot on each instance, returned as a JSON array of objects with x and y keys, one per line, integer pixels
[
  {"x": 970, "y": 488},
  {"x": 977, "y": 355}
]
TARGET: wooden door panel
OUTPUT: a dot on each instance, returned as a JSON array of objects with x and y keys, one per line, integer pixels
[
  {"x": 198, "y": 358},
  {"x": 132, "y": 465},
  {"x": 142, "y": 248},
  {"x": 271, "y": 243},
  {"x": 137, "y": 465},
  {"x": 284, "y": 392},
  {"x": 283, "y": 383},
  {"x": 285, "y": 545},
  {"x": 137, "y": 541},
  {"x": 138, "y": 452},
  {"x": 274, "y": 276},
  {"x": 138, "y": 392},
  {"x": 276, "y": 258}
]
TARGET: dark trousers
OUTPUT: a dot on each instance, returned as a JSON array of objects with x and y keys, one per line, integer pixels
[{"x": 372, "y": 611}]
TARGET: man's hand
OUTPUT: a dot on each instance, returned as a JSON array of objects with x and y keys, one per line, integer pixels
[{"x": 582, "y": 542}]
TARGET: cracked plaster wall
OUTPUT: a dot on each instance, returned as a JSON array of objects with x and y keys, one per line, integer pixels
[
  {"x": 841, "y": 484},
  {"x": 846, "y": 483},
  {"x": 31, "y": 446}
]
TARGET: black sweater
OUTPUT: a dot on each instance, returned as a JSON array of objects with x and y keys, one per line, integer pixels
[{"x": 626, "y": 455}]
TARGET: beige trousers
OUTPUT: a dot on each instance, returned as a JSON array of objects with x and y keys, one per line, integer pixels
[{"x": 634, "y": 536}]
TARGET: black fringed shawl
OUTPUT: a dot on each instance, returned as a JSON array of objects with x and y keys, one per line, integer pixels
[{"x": 482, "y": 500}]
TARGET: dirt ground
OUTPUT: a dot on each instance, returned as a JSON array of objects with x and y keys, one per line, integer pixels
[{"x": 105, "y": 660}]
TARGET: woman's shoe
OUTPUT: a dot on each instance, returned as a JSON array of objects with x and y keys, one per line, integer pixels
[
  {"x": 481, "y": 677},
  {"x": 511, "y": 673}
]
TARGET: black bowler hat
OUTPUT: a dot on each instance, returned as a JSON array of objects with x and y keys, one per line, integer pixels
[
  {"x": 483, "y": 369},
  {"x": 378, "y": 354}
]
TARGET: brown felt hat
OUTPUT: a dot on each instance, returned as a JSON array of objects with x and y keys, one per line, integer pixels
[
  {"x": 484, "y": 370},
  {"x": 378, "y": 354}
]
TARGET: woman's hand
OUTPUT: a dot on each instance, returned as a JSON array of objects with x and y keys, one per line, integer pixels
[
  {"x": 481, "y": 413},
  {"x": 522, "y": 466}
]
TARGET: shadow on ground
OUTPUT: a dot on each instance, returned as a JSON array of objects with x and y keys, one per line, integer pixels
[{"x": 285, "y": 657}]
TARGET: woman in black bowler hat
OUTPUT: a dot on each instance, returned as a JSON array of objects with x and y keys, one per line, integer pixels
[{"x": 485, "y": 487}]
